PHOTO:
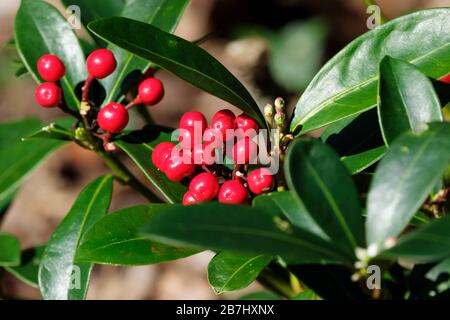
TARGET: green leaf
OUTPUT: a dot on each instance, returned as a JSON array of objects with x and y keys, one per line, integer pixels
[
  {"x": 163, "y": 14},
  {"x": 358, "y": 162},
  {"x": 40, "y": 29},
  {"x": 292, "y": 208},
  {"x": 428, "y": 243},
  {"x": 230, "y": 271},
  {"x": 139, "y": 146},
  {"x": 9, "y": 250},
  {"x": 28, "y": 270},
  {"x": 407, "y": 99},
  {"x": 439, "y": 274},
  {"x": 58, "y": 130},
  {"x": 404, "y": 178},
  {"x": 18, "y": 158},
  {"x": 240, "y": 229},
  {"x": 184, "y": 59},
  {"x": 347, "y": 84},
  {"x": 316, "y": 176},
  {"x": 262, "y": 295},
  {"x": 115, "y": 240},
  {"x": 296, "y": 55},
  {"x": 305, "y": 295},
  {"x": 59, "y": 277}
]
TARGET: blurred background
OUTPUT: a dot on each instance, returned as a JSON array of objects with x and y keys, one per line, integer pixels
[{"x": 273, "y": 46}]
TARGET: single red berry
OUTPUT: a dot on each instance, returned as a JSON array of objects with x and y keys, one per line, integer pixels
[
  {"x": 161, "y": 154},
  {"x": 204, "y": 154},
  {"x": 51, "y": 68},
  {"x": 233, "y": 192},
  {"x": 189, "y": 119},
  {"x": 113, "y": 117},
  {"x": 101, "y": 63},
  {"x": 179, "y": 167},
  {"x": 260, "y": 181},
  {"x": 246, "y": 126},
  {"x": 223, "y": 113},
  {"x": 205, "y": 186},
  {"x": 48, "y": 95},
  {"x": 245, "y": 151},
  {"x": 151, "y": 91},
  {"x": 189, "y": 139},
  {"x": 445, "y": 79},
  {"x": 224, "y": 125},
  {"x": 190, "y": 199}
]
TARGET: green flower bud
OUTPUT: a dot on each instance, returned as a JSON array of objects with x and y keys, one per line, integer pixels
[
  {"x": 269, "y": 111},
  {"x": 280, "y": 119},
  {"x": 280, "y": 105}
]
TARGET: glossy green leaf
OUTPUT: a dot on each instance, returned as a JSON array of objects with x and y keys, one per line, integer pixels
[
  {"x": 9, "y": 250},
  {"x": 163, "y": 14},
  {"x": 115, "y": 240},
  {"x": 404, "y": 178},
  {"x": 292, "y": 208},
  {"x": 58, "y": 130},
  {"x": 305, "y": 295},
  {"x": 428, "y": 243},
  {"x": 60, "y": 278},
  {"x": 139, "y": 146},
  {"x": 18, "y": 158},
  {"x": 406, "y": 97},
  {"x": 239, "y": 229},
  {"x": 316, "y": 175},
  {"x": 183, "y": 58},
  {"x": 28, "y": 270},
  {"x": 40, "y": 29},
  {"x": 230, "y": 271},
  {"x": 358, "y": 162},
  {"x": 347, "y": 84}
]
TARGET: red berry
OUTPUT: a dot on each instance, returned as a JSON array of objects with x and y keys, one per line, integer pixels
[
  {"x": 223, "y": 113},
  {"x": 245, "y": 151},
  {"x": 113, "y": 117},
  {"x": 161, "y": 154},
  {"x": 205, "y": 186},
  {"x": 260, "y": 181},
  {"x": 233, "y": 192},
  {"x": 246, "y": 123},
  {"x": 178, "y": 168},
  {"x": 151, "y": 91},
  {"x": 204, "y": 154},
  {"x": 189, "y": 138},
  {"x": 101, "y": 63},
  {"x": 48, "y": 95},
  {"x": 189, "y": 119},
  {"x": 51, "y": 68},
  {"x": 445, "y": 79},
  {"x": 190, "y": 198},
  {"x": 223, "y": 125}
]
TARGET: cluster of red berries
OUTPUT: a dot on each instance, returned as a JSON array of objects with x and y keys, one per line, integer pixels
[
  {"x": 101, "y": 63},
  {"x": 225, "y": 127}
]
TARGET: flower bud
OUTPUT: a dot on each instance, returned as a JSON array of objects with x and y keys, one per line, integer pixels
[
  {"x": 269, "y": 111},
  {"x": 280, "y": 119},
  {"x": 280, "y": 105}
]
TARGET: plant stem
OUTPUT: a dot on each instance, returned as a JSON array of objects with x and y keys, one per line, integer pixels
[
  {"x": 121, "y": 172},
  {"x": 276, "y": 284}
]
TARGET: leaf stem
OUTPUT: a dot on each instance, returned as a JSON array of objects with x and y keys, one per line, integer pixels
[{"x": 121, "y": 173}]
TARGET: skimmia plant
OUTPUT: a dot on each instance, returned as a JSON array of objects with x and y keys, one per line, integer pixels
[{"x": 360, "y": 213}]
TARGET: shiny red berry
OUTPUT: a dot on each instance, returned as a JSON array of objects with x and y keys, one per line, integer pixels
[
  {"x": 189, "y": 119},
  {"x": 204, "y": 154},
  {"x": 179, "y": 167},
  {"x": 151, "y": 91},
  {"x": 190, "y": 199},
  {"x": 445, "y": 79},
  {"x": 224, "y": 125},
  {"x": 205, "y": 186},
  {"x": 245, "y": 151},
  {"x": 101, "y": 63},
  {"x": 233, "y": 192},
  {"x": 189, "y": 138},
  {"x": 260, "y": 181},
  {"x": 113, "y": 117},
  {"x": 48, "y": 95},
  {"x": 223, "y": 113},
  {"x": 161, "y": 154},
  {"x": 246, "y": 126},
  {"x": 51, "y": 68}
]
